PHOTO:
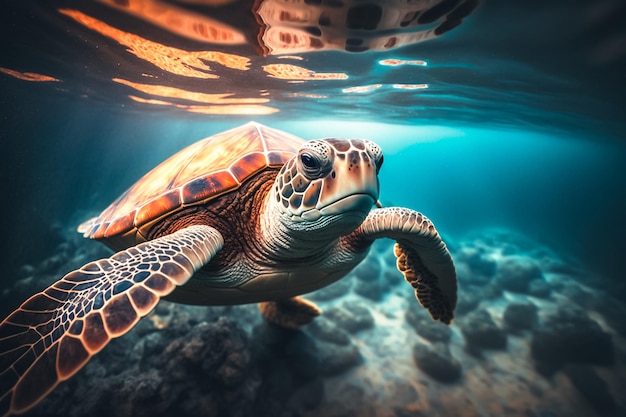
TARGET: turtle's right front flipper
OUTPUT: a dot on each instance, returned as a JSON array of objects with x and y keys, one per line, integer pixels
[
  {"x": 422, "y": 256},
  {"x": 54, "y": 333}
]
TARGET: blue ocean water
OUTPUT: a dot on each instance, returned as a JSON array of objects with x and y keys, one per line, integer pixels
[{"x": 501, "y": 121}]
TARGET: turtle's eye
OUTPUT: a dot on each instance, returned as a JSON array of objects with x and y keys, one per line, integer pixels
[
  {"x": 310, "y": 165},
  {"x": 314, "y": 160},
  {"x": 309, "y": 162}
]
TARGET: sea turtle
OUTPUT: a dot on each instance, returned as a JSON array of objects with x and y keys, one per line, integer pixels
[{"x": 251, "y": 215}]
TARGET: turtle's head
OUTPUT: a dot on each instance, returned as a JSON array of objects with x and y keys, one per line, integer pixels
[{"x": 329, "y": 182}]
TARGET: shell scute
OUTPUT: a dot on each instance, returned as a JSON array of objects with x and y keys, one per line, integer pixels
[
  {"x": 101, "y": 229},
  {"x": 120, "y": 225},
  {"x": 277, "y": 158},
  {"x": 158, "y": 207},
  {"x": 208, "y": 186},
  {"x": 248, "y": 165}
]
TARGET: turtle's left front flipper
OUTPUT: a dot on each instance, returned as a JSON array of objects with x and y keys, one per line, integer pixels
[
  {"x": 422, "y": 256},
  {"x": 54, "y": 333}
]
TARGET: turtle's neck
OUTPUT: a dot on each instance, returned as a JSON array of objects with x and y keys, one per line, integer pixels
[{"x": 304, "y": 241}]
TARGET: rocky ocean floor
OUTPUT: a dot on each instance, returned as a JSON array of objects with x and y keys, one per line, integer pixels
[{"x": 535, "y": 335}]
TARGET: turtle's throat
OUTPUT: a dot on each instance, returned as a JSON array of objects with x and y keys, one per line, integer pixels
[{"x": 291, "y": 240}]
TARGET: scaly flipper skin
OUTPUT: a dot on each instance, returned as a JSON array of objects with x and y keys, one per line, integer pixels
[
  {"x": 423, "y": 257},
  {"x": 54, "y": 333}
]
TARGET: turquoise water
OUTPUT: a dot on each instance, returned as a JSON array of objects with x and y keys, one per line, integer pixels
[{"x": 504, "y": 125}]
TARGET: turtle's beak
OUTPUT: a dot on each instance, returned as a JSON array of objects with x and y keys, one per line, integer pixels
[
  {"x": 355, "y": 203},
  {"x": 354, "y": 175}
]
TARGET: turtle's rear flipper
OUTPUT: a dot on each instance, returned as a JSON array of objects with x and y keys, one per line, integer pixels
[
  {"x": 54, "y": 333},
  {"x": 423, "y": 257},
  {"x": 290, "y": 312}
]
